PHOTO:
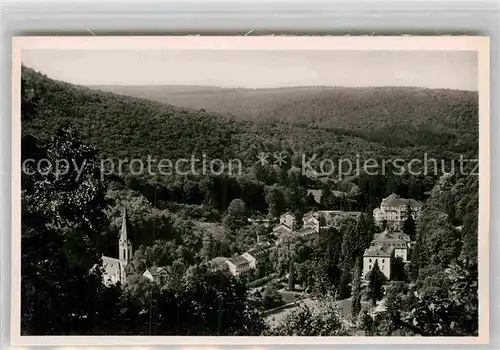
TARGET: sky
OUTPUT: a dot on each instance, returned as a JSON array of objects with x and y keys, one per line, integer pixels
[{"x": 259, "y": 69}]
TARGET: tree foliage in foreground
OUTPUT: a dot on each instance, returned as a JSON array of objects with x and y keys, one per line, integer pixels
[
  {"x": 451, "y": 310},
  {"x": 196, "y": 301},
  {"x": 322, "y": 318},
  {"x": 62, "y": 219}
]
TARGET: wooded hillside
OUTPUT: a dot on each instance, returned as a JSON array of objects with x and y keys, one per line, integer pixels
[
  {"x": 330, "y": 122},
  {"x": 371, "y": 112}
]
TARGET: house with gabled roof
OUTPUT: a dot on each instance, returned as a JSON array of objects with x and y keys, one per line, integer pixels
[
  {"x": 389, "y": 244},
  {"x": 398, "y": 241},
  {"x": 256, "y": 255},
  {"x": 376, "y": 254},
  {"x": 278, "y": 230},
  {"x": 287, "y": 224},
  {"x": 238, "y": 265},
  {"x": 155, "y": 273},
  {"x": 311, "y": 220},
  {"x": 112, "y": 270},
  {"x": 288, "y": 219}
]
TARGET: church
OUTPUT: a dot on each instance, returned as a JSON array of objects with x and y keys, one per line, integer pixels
[{"x": 115, "y": 269}]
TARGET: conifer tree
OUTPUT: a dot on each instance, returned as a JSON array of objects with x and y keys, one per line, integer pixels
[
  {"x": 356, "y": 288},
  {"x": 376, "y": 281},
  {"x": 409, "y": 226}
]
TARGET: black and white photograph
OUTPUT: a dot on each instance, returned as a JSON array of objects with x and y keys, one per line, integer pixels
[{"x": 248, "y": 187}]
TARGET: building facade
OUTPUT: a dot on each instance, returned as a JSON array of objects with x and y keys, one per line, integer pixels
[
  {"x": 155, "y": 273},
  {"x": 377, "y": 255},
  {"x": 384, "y": 248},
  {"x": 311, "y": 220},
  {"x": 288, "y": 219},
  {"x": 256, "y": 255},
  {"x": 397, "y": 241},
  {"x": 238, "y": 265},
  {"x": 393, "y": 211}
]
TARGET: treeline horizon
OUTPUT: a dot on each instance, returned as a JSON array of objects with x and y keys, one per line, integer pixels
[{"x": 68, "y": 223}]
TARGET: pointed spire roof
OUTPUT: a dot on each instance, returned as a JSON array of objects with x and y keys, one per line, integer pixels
[{"x": 124, "y": 234}]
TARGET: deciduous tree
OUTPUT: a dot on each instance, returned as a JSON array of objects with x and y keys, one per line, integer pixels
[
  {"x": 63, "y": 218},
  {"x": 236, "y": 216}
]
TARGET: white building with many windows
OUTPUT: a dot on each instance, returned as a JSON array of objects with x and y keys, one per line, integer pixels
[
  {"x": 393, "y": 210},
  {"x": 378, "y": 255},
  {"x": 238, "y": 265},
  {"x": 386, "y": 246}
]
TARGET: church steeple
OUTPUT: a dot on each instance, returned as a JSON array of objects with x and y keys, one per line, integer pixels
[
  {"x": 124, "y": 230},
  {"x": 124, "y": 247},
  {"x": 125, "y": 244}
]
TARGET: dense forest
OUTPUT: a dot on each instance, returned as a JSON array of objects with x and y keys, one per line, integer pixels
[
  {"x": 418, "y": 116},
  {"x": 68, "y": 223},
  {"x": 124, "y": 128}
]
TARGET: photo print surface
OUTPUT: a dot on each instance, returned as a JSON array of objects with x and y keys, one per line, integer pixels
[{"x": 249, "y": 191}]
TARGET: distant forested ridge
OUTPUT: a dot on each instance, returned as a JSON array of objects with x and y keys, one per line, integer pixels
[
  {"x": 330, "y": 123},
  {"x": 415, "y": 115}
]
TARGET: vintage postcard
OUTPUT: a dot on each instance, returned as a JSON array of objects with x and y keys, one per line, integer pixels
[{"x": 250, "y": 190}]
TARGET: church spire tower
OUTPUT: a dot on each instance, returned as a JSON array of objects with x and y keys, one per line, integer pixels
[{"x": 124, "y": 246}]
